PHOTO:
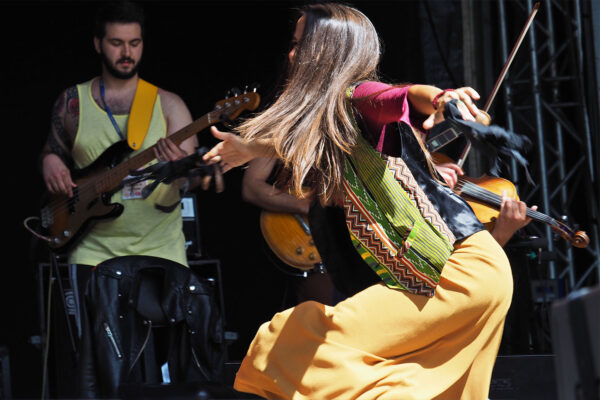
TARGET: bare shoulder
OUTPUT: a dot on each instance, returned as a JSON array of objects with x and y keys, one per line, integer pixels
[
  {"x": 171, "y": 102},
  {"x": 174, "y": 109}
]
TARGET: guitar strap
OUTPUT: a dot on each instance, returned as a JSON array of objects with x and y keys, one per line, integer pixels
[{"x": 141, "y": 113}]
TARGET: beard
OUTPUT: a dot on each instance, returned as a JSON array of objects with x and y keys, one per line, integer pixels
[{"x": 115, "y": 72}]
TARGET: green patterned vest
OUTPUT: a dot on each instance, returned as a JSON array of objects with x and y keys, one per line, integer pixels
[{"x": 392, "y": 224}]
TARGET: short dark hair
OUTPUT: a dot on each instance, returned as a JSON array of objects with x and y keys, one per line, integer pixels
[{"x": 117, "y": 11}]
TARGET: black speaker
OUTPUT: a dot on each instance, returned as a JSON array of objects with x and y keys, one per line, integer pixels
[
  {"x": 194, "y": 246},
  {"x": 523, "y": 377},
  {"x": 576, "y": 340}
]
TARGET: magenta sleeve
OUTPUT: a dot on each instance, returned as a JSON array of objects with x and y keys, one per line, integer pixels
[
  {"x": 379, "y": 104},
  {"x": 382, "y": 103}
]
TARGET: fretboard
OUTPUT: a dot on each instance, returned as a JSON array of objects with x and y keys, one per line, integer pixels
[
  {"x": 113, "y": 177},
  {"x": 479, "y": 193}
]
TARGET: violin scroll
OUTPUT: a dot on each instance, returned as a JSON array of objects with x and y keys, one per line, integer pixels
[
  {"x": 581, "y": 240},
  {"x": 578, "y": 239}
]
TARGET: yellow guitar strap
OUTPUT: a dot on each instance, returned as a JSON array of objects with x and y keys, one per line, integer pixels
[{"x": 141, "y": 113}]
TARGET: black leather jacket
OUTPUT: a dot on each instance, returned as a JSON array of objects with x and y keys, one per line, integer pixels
[{"x": 126, "y": 297}]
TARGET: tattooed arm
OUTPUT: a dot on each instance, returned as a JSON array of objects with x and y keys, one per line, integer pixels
[{"x": 56, "y": 155}]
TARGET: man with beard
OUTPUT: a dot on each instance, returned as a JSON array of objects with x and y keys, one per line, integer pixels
[
  {"x": 90, "y": 117},
  {"x": 86, "y": 120}
]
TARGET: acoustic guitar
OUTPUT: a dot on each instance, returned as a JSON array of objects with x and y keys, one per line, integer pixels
[
  {"x": 288, "y": 236},
  {"x": 65, "y": 220}
]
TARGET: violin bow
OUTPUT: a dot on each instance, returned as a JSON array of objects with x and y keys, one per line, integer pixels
[{"x": 503, "y": 73}]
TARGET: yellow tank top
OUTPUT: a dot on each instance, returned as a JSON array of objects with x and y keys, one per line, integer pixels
[{"x": 141, "y": 229}]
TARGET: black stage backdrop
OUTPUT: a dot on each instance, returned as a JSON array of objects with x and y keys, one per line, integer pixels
[{"x": 199, "y": 50}]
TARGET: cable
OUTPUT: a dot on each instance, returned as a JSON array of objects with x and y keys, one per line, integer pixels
[{"x": 34, "y": 233}]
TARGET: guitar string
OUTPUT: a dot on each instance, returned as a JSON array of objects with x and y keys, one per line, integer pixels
[
  {"x": 109, "y": 179},
  {"x": 211, "y": 117},
  {"x": 109, "y": 176},
  {"x": 240, "y": 103},
  {"x": 104, "y": 181}
]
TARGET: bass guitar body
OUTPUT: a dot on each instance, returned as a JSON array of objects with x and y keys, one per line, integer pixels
[
  {"x": 289, "y": 237},
  {"x": 68, "y": 219}
]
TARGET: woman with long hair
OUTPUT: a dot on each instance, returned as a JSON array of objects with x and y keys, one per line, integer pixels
[{"x": 431, "y": 327}]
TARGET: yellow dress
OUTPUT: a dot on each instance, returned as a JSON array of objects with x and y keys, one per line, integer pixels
[{"x": 389, "y": 344}]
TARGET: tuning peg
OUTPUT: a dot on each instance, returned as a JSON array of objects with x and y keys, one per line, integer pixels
[
  {"x": 234, "y": 91},
  {"x": 252, "y": 87}
]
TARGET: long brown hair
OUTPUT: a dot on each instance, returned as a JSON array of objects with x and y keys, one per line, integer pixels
[{"x": 310, "y": 124}]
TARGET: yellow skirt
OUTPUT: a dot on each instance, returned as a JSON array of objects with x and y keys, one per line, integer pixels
[{"x": 388, "y": 344}]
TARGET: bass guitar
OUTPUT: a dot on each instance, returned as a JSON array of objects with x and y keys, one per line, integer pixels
[
  {"x": 289, "y": 237},
  {"x": 66, "y": 219}
]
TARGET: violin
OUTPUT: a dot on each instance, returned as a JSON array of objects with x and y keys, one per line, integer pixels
[{"x": 483, "y": 194}]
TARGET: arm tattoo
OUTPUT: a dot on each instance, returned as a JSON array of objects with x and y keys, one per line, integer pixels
[{"x": 65, "y": 110}]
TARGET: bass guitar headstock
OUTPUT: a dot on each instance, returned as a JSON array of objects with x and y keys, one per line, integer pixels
[{"x": 230, "y": 108}]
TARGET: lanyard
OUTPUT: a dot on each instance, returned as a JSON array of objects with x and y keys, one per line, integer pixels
[{"x": 112, "y": 119}]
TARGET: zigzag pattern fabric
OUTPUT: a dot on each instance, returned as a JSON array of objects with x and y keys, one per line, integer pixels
[
  {"x": 403, "y": 176},
  {"x": 387, "y": 226},
  {"x": 396, "y": 272}
]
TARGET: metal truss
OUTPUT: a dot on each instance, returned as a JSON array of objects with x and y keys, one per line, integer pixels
[{"x": 545, "y": 100}]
